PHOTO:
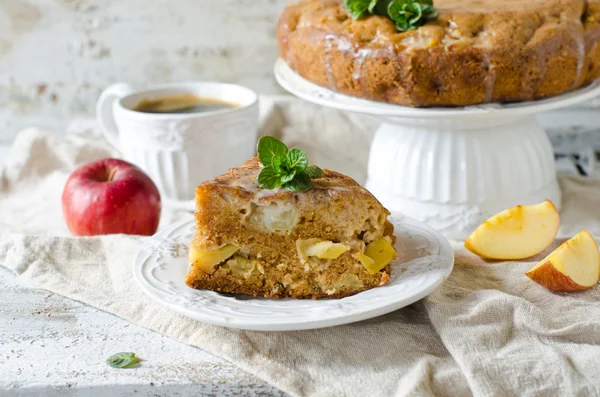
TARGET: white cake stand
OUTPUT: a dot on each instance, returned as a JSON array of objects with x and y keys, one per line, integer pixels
[{"x": 452, "y": 168}]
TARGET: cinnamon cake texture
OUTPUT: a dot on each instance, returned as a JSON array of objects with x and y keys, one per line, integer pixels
[
  {"x": 333, "y": 240},
  {"x": 474, "y": 52}
]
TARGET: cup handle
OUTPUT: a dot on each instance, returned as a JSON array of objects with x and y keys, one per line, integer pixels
[{"x": 105, "y": 108}]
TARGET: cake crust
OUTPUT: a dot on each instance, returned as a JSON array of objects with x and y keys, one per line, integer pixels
[
  {"x": 266, "y": 225},
  {"x": 475, "y": 52}
]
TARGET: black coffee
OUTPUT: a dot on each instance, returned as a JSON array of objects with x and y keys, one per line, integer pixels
[{"x": 183, "y": 103}]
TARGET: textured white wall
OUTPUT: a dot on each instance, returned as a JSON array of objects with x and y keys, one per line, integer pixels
[{"x": 56, "y": 56}]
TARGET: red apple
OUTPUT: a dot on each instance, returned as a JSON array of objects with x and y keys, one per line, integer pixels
[{"x": 111, "y": 196}]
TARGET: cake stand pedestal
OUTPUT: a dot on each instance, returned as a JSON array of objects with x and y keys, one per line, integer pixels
[{"x": 452, "y": 168}]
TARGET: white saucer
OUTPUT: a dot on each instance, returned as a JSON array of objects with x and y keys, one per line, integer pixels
[{"x": 425, "y": 261}]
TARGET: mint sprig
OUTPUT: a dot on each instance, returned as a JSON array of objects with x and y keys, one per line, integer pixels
[
  {"x": 358, "y": 8},
  {"x": 314, "y": 172},
  {"x": 123, "y": 360},
  {"x": 283, "y": 167},
  {"x": 406, "y": 14},
  {"x": 410, "y": 14}
]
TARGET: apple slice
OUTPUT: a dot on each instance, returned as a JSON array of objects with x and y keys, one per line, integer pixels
[
  {"x": 517, "y": 233},
  {"x": 574, "y": 266},
  {"x": 207, "y": 260},
  {"x": 378, "y": 254},
  {"x": 320, "y": 248}
]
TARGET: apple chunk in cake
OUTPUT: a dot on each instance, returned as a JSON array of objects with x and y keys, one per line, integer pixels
[{"x": 333, "y": 240}]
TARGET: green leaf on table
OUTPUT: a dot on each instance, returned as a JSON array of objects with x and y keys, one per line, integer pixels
[{"x": 123, "y": 360}]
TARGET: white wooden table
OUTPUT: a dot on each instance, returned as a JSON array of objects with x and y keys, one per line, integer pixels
[{"x": 52, "y": 346}]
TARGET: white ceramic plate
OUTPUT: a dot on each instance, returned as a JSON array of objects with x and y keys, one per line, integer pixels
[{"x": 425, "y": 261}]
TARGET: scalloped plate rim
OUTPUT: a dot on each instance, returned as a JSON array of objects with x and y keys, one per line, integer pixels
[{"x": 445, "y": 249}]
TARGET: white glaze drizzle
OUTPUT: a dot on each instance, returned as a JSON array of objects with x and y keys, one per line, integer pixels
[
  {"x": 580, "y": 41},
  {"x": 246, "y": 182},
  {"x": 345, "y": 45},
  {"x": 331, "y": 191},
  {"x": 328, "y": 45},
  {"x": 360, "y": 57},
  {"x": 249, "y": 183},
  {"x": 489, "y": 81},
  {"x": 288, "y": 53},
  {"x": 266, "y": 192}
]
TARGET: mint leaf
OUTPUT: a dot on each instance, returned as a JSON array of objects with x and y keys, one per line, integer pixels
[
  {"x": 410, "y": 14},
  {"x": 406, "y": 14},
  {"x": 283, "y": 167},
  {"x": 314, "y": 172},
  {"x": 297, "y": 159},
  {"x": 301, "y": 183},
  {"x": 287, "y": 177},
  {"x": 123, "y": 360},
  {"x": 357, "y": 8},
  {"x": 269, "y": 147},
  {"x": 379, "y": 7},
  {"x": 269, "y": 178},
  {"x": 372, "y": 5},
  {"x": 429, "y": 11},
  {"x": 278, "y": 163}
]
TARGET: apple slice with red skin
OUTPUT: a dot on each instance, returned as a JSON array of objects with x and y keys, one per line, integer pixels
[
  {"x": 111, "y": 196},
  {"x": 573, "y": 266}
]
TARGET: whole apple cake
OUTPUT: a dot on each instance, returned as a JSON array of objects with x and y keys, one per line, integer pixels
[
  {"x": 472, "y": 52},
  {"x": 333, "y": 240}
]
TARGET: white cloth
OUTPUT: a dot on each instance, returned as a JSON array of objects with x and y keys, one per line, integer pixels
[{"x": 488, "y": 331}]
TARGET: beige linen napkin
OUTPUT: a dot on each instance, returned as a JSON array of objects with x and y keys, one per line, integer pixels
[{"x": 487, "y": 331}]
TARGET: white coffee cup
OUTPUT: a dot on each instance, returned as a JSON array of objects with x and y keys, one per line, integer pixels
[{"x": 179, "y": 151}]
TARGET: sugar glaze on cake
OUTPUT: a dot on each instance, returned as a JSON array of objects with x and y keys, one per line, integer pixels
[{"x": 476, "y": 51}]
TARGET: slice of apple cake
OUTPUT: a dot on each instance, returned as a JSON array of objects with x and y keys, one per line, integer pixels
[{"x": 286, "y": 229}]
